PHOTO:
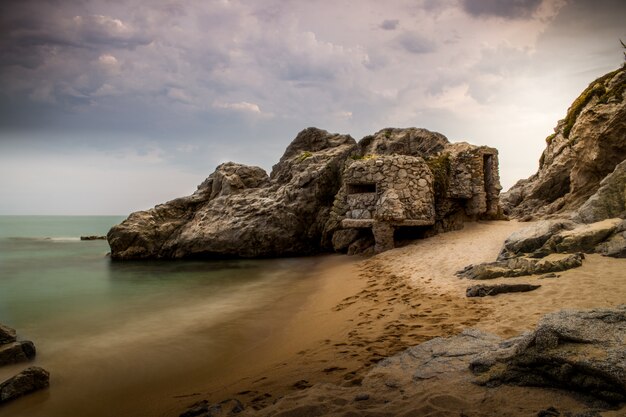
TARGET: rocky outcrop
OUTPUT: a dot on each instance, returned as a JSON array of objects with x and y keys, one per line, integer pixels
[
  {"x": 580, "y": 351},
  {"x": 13, "y": 351},
  {"x": 490, "y": 290},
  {"x": 563, "y": 236},
  {"x": 7, "y": 334},
  {"x": 576, "y": 354},
  {"x": 609, "y": 201},
  {"x": 29, "y": 380},
  {"x": 93, "y": 237},
  {"x": 239, "y": 211},
  {"x": 521, "y": 266},
  {"x": 586, "y": 147},
  {"x": 16, "y": 352}
]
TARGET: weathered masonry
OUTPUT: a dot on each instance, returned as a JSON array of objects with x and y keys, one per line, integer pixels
[{"x": 389, "y": 193}]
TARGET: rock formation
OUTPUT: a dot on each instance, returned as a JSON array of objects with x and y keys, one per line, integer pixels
[
  {"x": 29, "y": 380},
  {"x": 580, "y": 187},
  {"x": 580, "y": 351},
  {"x": 576, "y": 354},
  {"x": 586, "y": 147},
  {"x": 240, "y": 211},
  {"x": 13, "y": 351},
  {"x": 326, "y": 192}
]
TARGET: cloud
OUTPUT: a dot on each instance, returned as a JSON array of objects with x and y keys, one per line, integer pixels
[
  {"x": 106, "y": 30},
  {"x": 243, "y": 106},
  {"x": 415, "y": 43},
  {"x": 221, "y": 77},
  {"x": 508, "y": 9},
  {"x": 389, "y": 24}
]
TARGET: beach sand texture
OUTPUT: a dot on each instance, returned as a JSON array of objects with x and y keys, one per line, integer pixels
[{"x": 404, "y": 297}]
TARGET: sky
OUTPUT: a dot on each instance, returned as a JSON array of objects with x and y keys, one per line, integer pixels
[{"x": 113, "y": 106}]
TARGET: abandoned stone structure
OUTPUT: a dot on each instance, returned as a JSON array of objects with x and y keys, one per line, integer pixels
[
  {"x": 386, "y": 192},
  {"x": 391, "y": 193}
]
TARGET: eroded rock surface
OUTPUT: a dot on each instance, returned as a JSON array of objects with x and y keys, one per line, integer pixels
[
  {"x": 491, "y": 290},
  {"x": 29, "y": 380},
  {"x": 576, "y": 354},
  {"x": 16, "y": 352},
  {"x": 586, "y": 147},
  {"x": 409, "y": 178},
  {"x": 241, "y": 212},
  {"x": 13, "y": 351},
  {"x": 580, "y": 351},
  {"x": 522, "y": 266},
  {"x": 7, "y": 334}
]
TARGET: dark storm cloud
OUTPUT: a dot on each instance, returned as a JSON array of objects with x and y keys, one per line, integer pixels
[
  {"x": 508, "y": 9},
  {"x": 391, "y": 24}
]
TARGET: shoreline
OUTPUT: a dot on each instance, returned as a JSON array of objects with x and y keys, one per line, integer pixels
[
  {"x": 409, "y": 295},
  {"x": 334, "y": 325}
]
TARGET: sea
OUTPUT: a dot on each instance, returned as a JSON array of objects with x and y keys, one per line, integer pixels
[{"x": 131, "y": 338}]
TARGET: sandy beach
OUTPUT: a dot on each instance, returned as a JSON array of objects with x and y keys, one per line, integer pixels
[
  {"x": 358, "y": 314},
  {"x": 316, "y": 342}
]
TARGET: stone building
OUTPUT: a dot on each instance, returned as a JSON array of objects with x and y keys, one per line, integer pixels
[{"x": 408, "y": 195}]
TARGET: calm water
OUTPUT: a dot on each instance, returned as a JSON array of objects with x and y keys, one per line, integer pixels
[{"x": 121, "y": 338}]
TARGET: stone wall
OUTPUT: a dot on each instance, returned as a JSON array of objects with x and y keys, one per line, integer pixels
[
  {"x": 436, "y": 193},
  {"x": 474, "y": 177},
  {"x": 394, "y": 189}
]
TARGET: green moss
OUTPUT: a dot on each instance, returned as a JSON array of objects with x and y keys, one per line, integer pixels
[
  {"x": 595, "y": 90},
  {"x": 304, "y": 155},
  {"x": 363, "y": 157},
  {"x": 598, "y": 88},
  {"x": 440, "y": 167},
  {"x": 550, "y": 138}
]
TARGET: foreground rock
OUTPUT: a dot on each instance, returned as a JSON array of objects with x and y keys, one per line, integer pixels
[
  {"x": 578, "y": 355},
  {"x": 240, "y": 211},
  {"x": 521, "y": 266},
  {"x": 581, "y": 351},
  {"x": 29, "y": 380},
  {"x": 16, "y": 352},
  {"x": 13, "y": 351},
  {"x": 552, "y": 246},
  {"x": 586, "y": 147},
  {"x": 7, "y": 334},
  {"x": 490, "y": 290},
  {"x": 326, "y": 193}
]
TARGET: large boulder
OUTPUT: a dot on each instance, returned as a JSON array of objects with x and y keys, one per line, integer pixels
[
  {"x": 16, "y": 352},
  {"x": 533, "y": 237},
  {"x": 521, "y": 266},
  {"x": 241, "y": 212},
  {"x": 583, "y": 238},
  {"x": 587, "y": 146},
  {"x": 410, "y": 141},
  {"x": 29, "y": 380},
  {"x": 574, "y": 350},
  {"x": 609, "y": 201}
]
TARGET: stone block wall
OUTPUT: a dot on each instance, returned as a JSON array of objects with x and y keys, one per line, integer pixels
[{"x": 390, "y": 188}]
